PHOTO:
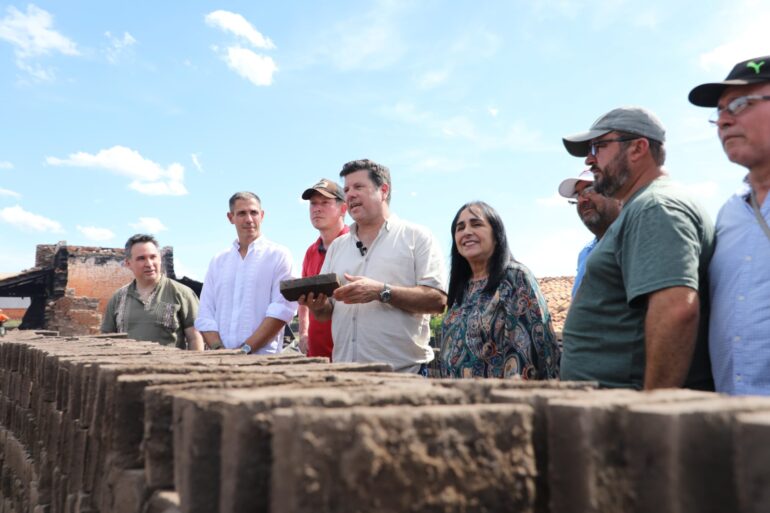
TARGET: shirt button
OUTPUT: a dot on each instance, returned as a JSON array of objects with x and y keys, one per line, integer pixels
[
  {"x": 748, "y": 258},
  {"x": 741, "y": 298},
  {"x": 738, "y": 378},
  {"x": 736, "y": 339}
]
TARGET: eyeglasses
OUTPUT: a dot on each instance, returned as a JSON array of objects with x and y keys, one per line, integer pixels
[
  {"x": 598, "y": 145},
  {"x": 736, "y": 106},
  {"x": 582, "y": 194}
]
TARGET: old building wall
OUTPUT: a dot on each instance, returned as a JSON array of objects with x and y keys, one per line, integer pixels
[
  {"x": 96, "y": 276},
  {"x": 73, "y": 315}
]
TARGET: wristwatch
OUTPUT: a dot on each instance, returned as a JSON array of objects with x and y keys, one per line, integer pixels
[
  {"x": 385, "y": 294},
  {"x": 246, "y": 348}
]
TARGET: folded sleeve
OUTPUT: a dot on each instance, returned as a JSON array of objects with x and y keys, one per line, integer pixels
[
  {"x": 207, "y": 318},
  {"x": 428, "y": 261},
  {"x": 280, "y": 308}
]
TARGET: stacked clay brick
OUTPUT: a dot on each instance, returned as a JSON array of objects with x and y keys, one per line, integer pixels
[{"x": 106, "y": 425}]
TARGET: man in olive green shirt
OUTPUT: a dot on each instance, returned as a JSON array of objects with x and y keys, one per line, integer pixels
[
  {"x": 640, "y": 317},
  {"x": 152, "y": 307}
]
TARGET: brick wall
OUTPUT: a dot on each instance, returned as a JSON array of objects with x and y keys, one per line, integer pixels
[
  {"x": 73, "y": 315},
  {"x": 14, "y": 313},
  {"x": 98, "y": 278}
]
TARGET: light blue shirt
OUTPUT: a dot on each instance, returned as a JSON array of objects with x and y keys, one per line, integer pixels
[
  {"x": 739, "y": 275},
  {"x": 581, "y": 267}
]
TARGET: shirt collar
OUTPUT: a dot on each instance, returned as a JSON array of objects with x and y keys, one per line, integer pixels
[
  {"x": 237, "y": 244},
  {"x": 388, "y": 225}
]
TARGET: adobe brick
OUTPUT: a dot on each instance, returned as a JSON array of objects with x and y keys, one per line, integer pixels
[
  {"x": 247, "y": 430},
  {"x": 401, "y": 459},
  {"x": 681, "y": 455},
  {"x": 587, "y": 440},
  {"x": 752, "y": 454},
  {"x": 158, "y": 442}
]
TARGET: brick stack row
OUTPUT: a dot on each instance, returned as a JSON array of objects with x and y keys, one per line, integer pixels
[{"x": 103, "y": 425}]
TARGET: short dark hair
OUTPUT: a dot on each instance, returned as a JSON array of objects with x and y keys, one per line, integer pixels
[
  {"x": 378, "y": 173},
  {"x": 139, "y": 238},
  {"x": 460, "y": 272},
  {"x": 657, "y": 149},
  {"x": 243, "y": 195}
]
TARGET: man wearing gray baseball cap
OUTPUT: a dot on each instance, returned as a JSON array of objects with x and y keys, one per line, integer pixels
[
  {"x": 638, "y": 319},
  {"x": 739, "y": 275}
]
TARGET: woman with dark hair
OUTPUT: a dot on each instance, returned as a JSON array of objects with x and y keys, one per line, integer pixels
[{"x": 497, "y": 324}]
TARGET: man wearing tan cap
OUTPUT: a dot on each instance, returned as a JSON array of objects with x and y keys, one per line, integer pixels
[
  {"x": 639, "y": 318},
  {"x": 739, "y": 275},
  {"x": 393, "y": 278},
  {"x": 327, "y": 215},
  {"x": 596, "y": 211}
]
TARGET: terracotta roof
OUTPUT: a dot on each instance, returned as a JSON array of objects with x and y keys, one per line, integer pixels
[{"x": 558, "y": 292}]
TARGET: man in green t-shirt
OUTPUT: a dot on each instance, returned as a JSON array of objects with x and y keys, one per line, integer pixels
[
  {"x": 640, "y": 316},
  {"x": 152, "y": 307}
]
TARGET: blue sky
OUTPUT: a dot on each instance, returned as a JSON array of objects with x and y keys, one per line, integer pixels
[{"x": 125, "y": 117}]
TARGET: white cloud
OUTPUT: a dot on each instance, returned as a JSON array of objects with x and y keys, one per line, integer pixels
[
  {"x": 371, "y": 40},
  {"x": 4, "y": 164},
  {"x": 493, "y": 111},
  {"x": 148, "y": 225},
  {"x": 238, "y": 25},
  {"x": 20, "y": 218},
  {"x": 258, "y": 69},
  {"x": 196, "y": 161},
  {"x": 9, "y": 193},
  {"x": 32, "y": 35},
  {"x": 743, "y": 40},
  {"x": 118, "y": 46},
  {"x": 254, "y": 67},
  {"x": 147, "y": 176},
  {"x": 516, "y": 136},
  {"x": 97, "y": 234},
  {"x": 648, "y": 19},
  {"x": 431, "y": 79}
]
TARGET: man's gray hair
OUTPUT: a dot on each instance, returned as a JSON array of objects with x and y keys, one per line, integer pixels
[
  {"x": 378, "y": 173},
  {"x": 139, "y": 238},
  {"x": 243, "y": 195}
]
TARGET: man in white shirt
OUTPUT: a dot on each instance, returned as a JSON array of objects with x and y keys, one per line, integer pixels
[
  {"x": 393, "y": 277},
  {"x": 241, "y": 304}
]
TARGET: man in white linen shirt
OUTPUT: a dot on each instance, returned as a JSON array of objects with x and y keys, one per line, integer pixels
[
  {"x": 393, "y": 277},
  {"x": 241, "y": 304}
]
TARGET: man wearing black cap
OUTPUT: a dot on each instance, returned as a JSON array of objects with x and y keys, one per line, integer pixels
[
  {"x": 327, "y": 215},
  {"x": 635, "y": 321},
  {"x": 739, "y": 275}
]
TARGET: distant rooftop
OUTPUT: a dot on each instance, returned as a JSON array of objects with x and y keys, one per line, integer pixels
[{"x": 558, "y": 293}]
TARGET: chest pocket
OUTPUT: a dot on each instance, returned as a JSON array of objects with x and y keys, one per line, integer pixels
[{"x": 165, "y": 314}]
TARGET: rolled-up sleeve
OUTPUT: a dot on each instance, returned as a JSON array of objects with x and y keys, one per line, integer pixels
[
  {"x": 428, "y": 261},
  {"x": 207, "y": 319},
  {"x": 280, "y": 308}
]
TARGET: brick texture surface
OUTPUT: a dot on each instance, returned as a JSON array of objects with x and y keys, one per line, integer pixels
[{"x": 99, "y": 425}]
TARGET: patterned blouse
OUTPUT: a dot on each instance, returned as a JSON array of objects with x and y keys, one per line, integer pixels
[{"x": 500, "y": 335}]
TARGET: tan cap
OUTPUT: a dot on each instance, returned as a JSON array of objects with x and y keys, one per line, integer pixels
[{"x": 327, "y": 188}]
